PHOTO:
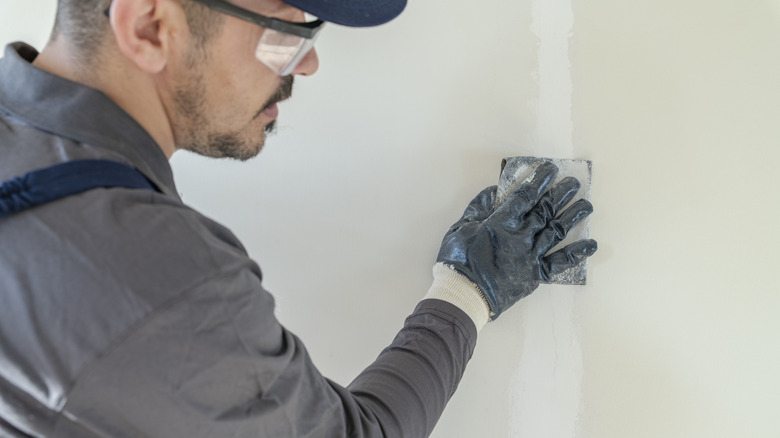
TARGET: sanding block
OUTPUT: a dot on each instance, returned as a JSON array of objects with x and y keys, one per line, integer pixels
[{"x": 515, "y": 170}]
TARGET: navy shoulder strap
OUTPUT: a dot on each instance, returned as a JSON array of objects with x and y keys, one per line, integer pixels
[{"x": 61, "y": 180}]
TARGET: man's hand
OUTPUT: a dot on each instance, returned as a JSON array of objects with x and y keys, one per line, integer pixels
[{"x": 502, "y": 248}]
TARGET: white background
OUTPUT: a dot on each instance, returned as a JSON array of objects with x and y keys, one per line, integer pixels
[{"x": 677, "y": 103}]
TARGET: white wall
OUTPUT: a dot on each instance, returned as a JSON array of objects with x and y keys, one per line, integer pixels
[
  {"x": 676, "y": 103},
  {"x": 26, "y": 20}
]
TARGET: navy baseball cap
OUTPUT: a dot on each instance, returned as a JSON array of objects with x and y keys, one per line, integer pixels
[{"x": 353, "y": 13}]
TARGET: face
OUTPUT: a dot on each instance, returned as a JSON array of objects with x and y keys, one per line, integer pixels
[{"x": 224, "y": 102}]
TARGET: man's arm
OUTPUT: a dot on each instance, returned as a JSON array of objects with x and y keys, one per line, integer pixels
[{"x": 219, "y": 364}]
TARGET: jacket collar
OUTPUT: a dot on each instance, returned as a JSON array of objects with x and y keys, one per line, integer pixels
[{"x": 79, "y": 113}]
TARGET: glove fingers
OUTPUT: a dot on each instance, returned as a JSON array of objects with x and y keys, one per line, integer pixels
[
  {"x": 557, "y": 228},
  {"x": 522, "y": 200},
  {"x": 568, "y": 257},
  {"x": 551, "y": 203},
  {"x": 481, "y": 206}
]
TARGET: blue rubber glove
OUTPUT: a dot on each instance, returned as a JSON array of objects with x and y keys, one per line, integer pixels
[{"x": 502, "y": 249}]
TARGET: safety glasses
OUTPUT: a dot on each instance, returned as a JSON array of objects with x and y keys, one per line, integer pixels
[{"x": 283, "y": 44}]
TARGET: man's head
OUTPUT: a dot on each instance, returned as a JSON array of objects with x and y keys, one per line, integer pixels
[{"x": 202, "y": 75}]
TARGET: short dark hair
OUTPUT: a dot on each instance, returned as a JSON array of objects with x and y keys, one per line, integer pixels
[{"x": 85, "y": 25}]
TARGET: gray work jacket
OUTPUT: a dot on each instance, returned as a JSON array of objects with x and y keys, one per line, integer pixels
[{"x": 125, "y": 313}]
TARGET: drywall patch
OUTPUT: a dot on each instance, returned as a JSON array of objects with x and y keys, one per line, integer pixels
[
  {"x": 547, "y": 386},
  {"x": 552, "y": 24}
]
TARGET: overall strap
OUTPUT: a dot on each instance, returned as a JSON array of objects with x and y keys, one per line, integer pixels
[{"x": 70, "y": 178}]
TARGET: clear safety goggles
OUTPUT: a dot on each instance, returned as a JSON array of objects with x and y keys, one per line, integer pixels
[{"x": 283, "y": 44}]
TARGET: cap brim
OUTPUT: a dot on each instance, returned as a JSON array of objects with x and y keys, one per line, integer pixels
[{"x": 353, "y": 13}]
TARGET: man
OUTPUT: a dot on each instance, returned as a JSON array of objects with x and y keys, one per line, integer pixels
[{"x": 127, "y": 314}]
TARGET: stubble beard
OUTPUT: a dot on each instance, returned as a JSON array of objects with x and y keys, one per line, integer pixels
[{"x": 204, "y": 140}]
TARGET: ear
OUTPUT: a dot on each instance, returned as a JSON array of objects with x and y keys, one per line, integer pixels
[{"x": 148, "y": 31}]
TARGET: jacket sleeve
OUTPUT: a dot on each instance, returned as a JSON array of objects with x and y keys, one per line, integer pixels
[{"x": 215, "y": 362}]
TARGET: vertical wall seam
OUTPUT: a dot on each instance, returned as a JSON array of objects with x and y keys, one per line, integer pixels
[{"x": 546, "y": 399}]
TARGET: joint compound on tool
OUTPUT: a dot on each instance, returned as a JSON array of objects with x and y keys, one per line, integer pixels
[{"x": 517, "y": 170}]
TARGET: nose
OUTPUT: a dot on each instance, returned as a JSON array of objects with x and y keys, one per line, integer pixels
[{"x": 308, "y": 65}]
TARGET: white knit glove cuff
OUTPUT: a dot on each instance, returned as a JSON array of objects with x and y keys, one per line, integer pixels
[{"x": 454, "y": 288}]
